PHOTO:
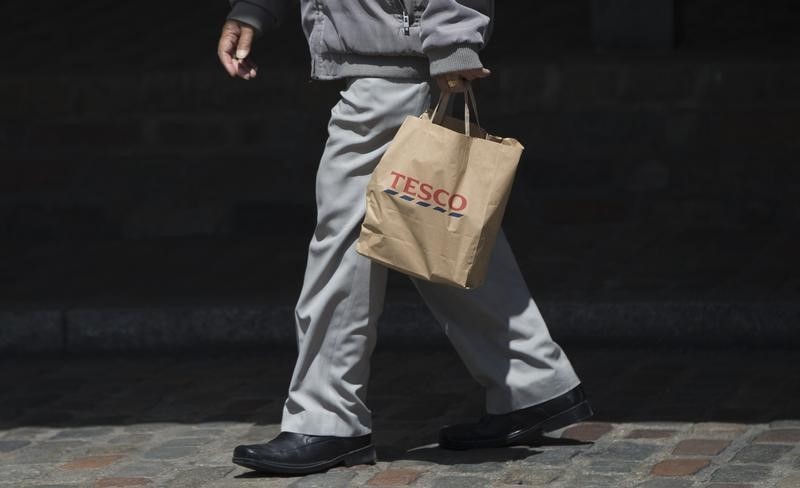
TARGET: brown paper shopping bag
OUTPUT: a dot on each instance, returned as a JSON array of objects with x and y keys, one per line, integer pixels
[{"x": 436, "y": 199}]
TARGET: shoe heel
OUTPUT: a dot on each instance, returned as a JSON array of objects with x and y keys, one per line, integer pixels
[
  {"x": 575, "y": 414},
  {"x": 365, "y": 455}
]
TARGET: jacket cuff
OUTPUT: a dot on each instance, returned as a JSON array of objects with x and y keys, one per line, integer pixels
[
  {"x": 453, "y": 58},
  {"x": 252, "y": 14}
]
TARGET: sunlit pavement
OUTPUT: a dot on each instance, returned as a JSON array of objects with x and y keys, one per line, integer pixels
[{"x": 664, "y": 419}]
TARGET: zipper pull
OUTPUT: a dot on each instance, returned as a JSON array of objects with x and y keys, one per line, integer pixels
[{"x": 406, "y": 23}]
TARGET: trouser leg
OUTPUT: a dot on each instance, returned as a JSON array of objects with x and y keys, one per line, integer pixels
[
  {"x": 500, "y": 335},
  {"x": 342, "y": 293}
]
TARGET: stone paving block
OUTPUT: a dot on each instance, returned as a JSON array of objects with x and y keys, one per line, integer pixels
[
  {"x": 24, "y": 473},
  {"x": 650, "y": 434},
  {"x": 94, "y": 449},
  {"x": 472, "y": 456},
  {"x": 195, "y": 432},
  {"x": 729, "y": 485},
  {"x": 92, "y": 462},
  {"x": 253, "y": 482},
  {"x": 590, "y": 480},
  {"x": 169, "y": 452},
  {"x": 116, "y": 481},
  {"x": 214, "y": 457},
  {"x": 553, "y": 456},
  {"x": 460, "y": 482},
  {"x": 630, "y": 451},
  {"x": 365, "y": 472},
  {"x": 8, "y": 445},
  {"x": 83, "y": 432},
  {"x": 742, "y": 473},
  {"x": 785, "y": 424},
  {"x": 48, "y": 452},
  {"x": 411, "y": 463},
  {"x": 791, "y": 481},
  {"x": 30, "y": 433},
  {"x": 665, "y": 483},
  {"x": 260, "y": 433},
  {"x": 187, "y": 442},
  {"x": 330, "y": 479},
  {"x": 150, "y": 427},
  {"x": 779, "y": 436},
  {"x": 535, "y": 476},
  {"x": 130, "y": 439},
  {"x": 486, "y": 467},
  {"x": 394, "y": 477},
  {"x": 718, "y": 430},
  {"x": 199, "y": 476},
  {"x": 700, "y": 447},
  {"x": 588, "y": 431},
  {"x": 144, "y": 469},
  {"x": 60, "y": 485},
  {"x": 761, "y": 453},
  {"x": 612, "y": 466},
  {"x": 679, "y": 467}
]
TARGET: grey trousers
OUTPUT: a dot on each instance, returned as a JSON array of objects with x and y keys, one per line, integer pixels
[{"x": 496, "y": 328}]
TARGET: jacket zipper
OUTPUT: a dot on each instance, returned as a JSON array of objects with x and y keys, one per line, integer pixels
[{"x": 406, "y": 18}]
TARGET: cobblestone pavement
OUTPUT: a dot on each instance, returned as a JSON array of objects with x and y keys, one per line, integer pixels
[{"x": 664, "y": 419}]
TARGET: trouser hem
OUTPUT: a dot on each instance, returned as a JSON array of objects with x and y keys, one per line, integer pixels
[
  {"x": 559, "y": 388},
  {"x": 322, "y": 423}
]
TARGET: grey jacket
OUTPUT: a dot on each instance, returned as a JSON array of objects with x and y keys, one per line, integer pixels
[{"x": 384, "y": 38}]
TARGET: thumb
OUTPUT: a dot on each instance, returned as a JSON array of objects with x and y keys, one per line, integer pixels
[{"x": 245, "y": 42}]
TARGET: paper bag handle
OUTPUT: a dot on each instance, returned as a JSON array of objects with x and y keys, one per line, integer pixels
[{"x": 469, "y": 99}]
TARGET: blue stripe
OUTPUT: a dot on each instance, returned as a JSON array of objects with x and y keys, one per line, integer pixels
[{"x": 421, "y": 203}]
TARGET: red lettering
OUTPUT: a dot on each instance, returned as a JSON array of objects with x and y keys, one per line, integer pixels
[
  {"x": 436, "y": 197},
  {"x": 452, "y": 201},
  {"x": 425, "y": 191},
  {"x": 397, "y": 177},
  {"x": 410, "y": 186}
]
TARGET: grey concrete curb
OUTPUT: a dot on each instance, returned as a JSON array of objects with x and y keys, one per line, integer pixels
[{"x": 679, "y": 323}]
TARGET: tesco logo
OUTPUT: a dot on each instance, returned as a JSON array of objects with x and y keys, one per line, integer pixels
[{"x": 427, "y": 193}]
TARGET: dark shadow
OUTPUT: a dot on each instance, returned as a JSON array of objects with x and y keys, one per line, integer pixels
[
  {"x": 412, "y": 393},
  {"x": 434, "y": 454}
]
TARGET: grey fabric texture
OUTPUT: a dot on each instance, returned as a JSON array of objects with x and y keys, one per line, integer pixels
[
  {"x": 496, "y": 328},
  {"x": 374, "y": 38}
]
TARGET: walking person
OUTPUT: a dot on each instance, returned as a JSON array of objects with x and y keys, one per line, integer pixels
[{"x": 388, "y": 52}]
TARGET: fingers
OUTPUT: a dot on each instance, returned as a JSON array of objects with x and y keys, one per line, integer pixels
[
  {"x": 455, "y": 82},
  {"x": 245, "y": 42},
  {"x": 227, "y": 44},
  {"x": 442, "y": 82},
  {"x": 474, "y": 74},
  {"x": 246, "y": 68},
  {"x": 233, "y": 50}
]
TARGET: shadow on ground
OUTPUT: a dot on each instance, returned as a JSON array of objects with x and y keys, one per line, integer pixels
[{"x": 411, "y": 392}]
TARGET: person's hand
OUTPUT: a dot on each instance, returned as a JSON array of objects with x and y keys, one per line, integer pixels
[
  {"x": 234, "y": 47},
  {"x": 455, "y": 82}
]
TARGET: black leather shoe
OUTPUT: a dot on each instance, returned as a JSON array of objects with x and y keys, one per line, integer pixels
[
  {"x": 291, "y": 453},
  {"x": 520, "y": 427}
]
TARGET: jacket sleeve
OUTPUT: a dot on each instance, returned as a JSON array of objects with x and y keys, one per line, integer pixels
[
  {"x": 263, "y": 15},
  {"x": 453, "y": 32}
]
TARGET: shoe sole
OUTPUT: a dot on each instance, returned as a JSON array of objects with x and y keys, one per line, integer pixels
[
  {"x": 364, "y": 455},
  {"x": 574, "y": 414}
]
